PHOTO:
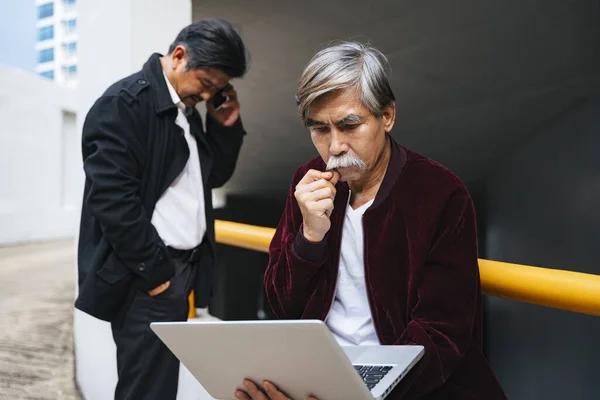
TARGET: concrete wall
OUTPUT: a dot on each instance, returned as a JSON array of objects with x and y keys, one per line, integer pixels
[
  {"x": 39, "y": 151},
  {"x": 543, "y": 208}
]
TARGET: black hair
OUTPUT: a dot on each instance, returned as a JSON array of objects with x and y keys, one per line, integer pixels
[{"x": 213, "y": 43}]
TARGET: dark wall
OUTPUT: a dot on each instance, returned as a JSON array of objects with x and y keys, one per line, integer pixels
[
  {"x": 543, "y": 208},
  {"x": 463, "y": 72},
  {"x": 238, "y": 292}
]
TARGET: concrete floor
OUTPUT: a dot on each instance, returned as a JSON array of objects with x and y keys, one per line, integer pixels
[{"x": 36, "y": 312}]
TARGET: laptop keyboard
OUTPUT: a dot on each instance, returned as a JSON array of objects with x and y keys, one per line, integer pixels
[{"x": 372, "y": 374}]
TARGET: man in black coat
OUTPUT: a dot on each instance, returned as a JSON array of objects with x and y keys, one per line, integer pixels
[{"x": 147, "y": 226}]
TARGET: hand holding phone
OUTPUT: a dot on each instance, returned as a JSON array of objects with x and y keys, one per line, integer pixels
[
  {"x": 224, "y": 106},
  {"x": 219, "y": 99}
]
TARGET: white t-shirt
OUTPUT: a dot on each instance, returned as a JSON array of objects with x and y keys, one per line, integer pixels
[{"x": 350, "y": 318}]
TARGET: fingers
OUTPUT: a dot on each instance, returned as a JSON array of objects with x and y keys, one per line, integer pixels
[
  {"x": 323, "y": 193},
  {"x": 316, "y": 185},
  {"x": 314, "y": 175},
  {"x": 159, "y": 289},
  {"x": 317, "y": 203},
  {"x": 231, "y": 93},
  {"x": 227, "y": 114},
  {"x": 324, "y": 206},
  {"x": 273, "y": 392},
  {"x": 316, "y": 191},
  {"x": 252, "y": 392},
  {"x": 230, "y": 104},
  {"x": 335, "y": 177},
  {"x": 234, "y": 114},
  {"x": 232, "y": 98},
  {"x": 241, "y": 395},
  {"x": 316, "y": 196},
  {"x": 314, "y": 180},
  {"x": 319, "y": 208}
]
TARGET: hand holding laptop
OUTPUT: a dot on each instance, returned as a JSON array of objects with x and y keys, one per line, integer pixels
[
  {"x": 233, "y": 359},
  {"x": 253, "y": 393}
]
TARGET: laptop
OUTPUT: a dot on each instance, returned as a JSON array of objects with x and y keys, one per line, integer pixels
[{"x": 301, "y": 357}]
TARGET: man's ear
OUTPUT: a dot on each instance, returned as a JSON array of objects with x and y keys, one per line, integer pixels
[
  {"x": 178, "y": 56},
  {"x": 389, "y": 117}
]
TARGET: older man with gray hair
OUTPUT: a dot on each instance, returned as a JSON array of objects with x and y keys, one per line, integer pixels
[{"x": 377, "y": 240}]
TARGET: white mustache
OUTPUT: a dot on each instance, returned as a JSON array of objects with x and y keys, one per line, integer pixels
[{"x": 345, "y": 161}]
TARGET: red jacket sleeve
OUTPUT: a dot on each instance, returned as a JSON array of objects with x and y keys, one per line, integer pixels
[
  {"x": 295, "y": 264},
  {"x": 448, "y": 299}
]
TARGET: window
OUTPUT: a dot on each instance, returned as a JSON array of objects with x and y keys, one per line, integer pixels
[
  {"x": 45, "y": 55},
  {"x": 71, "y": 48},
  {"x": 45, "y": 10},
  {"x": 70, "y": 71},
  {"x": 68, "y": 5},
  {"x": 46, "y": 33},
  {"x": 70, "y": 25},
  {"x": 48, "y": 74}
]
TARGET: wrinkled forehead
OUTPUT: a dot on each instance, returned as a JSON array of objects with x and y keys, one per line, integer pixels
[{"x": 337, "y": 105}]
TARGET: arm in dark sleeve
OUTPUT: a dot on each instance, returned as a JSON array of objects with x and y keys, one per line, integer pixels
[
  {"x": 448, "y": 297},
  {"x": 294, "y": 263},
  {"x": 225, "y": 143},
  {"x": 113, "y": 162}
]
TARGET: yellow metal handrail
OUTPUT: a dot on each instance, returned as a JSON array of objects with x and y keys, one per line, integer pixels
[{"x": 565, "y": 290}]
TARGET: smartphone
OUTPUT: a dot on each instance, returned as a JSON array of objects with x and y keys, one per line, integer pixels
[{"x": 218, "y": 99}]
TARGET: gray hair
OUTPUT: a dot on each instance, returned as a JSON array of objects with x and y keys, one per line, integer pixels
[{"x": 347, "y": 65}]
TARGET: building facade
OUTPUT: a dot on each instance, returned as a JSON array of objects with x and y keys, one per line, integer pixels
[{"x": 57, "y": 41}]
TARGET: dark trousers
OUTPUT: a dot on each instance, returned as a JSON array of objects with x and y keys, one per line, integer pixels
[{"x": 146, "y": 367}]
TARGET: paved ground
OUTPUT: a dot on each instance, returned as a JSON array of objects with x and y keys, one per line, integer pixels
[{"x": 36, "y": 311}]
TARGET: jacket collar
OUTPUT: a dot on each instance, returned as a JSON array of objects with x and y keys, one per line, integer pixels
[
  {"x": 394, "y": 169},
  {"x": 153, "y": 71}
]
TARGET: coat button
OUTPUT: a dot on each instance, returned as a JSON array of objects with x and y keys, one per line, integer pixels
[
  {"x": 142, "y": 81},
  {"x": 142, "y": 267}
]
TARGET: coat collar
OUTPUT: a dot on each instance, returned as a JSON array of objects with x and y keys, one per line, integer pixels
[{"x": 154, "y": 73}]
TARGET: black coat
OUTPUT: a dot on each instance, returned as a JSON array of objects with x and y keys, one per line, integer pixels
[{"x": 132, "y": 152}]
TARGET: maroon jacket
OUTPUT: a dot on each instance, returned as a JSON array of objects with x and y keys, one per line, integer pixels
[{"x": 421, "y": 271}]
